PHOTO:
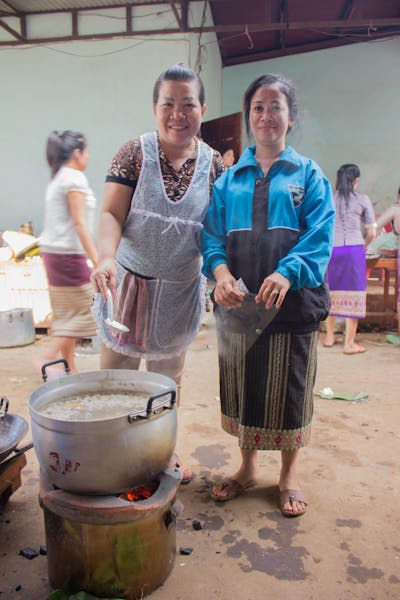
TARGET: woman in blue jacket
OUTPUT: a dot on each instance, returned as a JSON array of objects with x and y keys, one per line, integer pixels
[{"x": 270, "y": 224}]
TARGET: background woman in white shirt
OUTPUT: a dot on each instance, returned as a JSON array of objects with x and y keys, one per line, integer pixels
[{"x": 66, "y": 243}]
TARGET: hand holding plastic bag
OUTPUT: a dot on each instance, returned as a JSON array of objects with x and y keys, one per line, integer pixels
[{"x": 249, "y": 319}]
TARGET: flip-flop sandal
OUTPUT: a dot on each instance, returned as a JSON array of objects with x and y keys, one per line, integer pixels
[
  {"x": 187, "y": 476},
  {"x": 187, "y": 473},
  {"x": 291, "y": 496},
  {"x": 231, "y": 489}
]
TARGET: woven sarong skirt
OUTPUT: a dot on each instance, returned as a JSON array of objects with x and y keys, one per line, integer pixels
[
  {"x": 71, "y": 311},
  {"x": 71, "y": 295},
  {"x": 347, "y": 280},
  {"x": 267, "y": 392}
]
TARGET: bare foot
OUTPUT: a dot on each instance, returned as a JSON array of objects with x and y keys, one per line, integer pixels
[
  {"x": 328, "y": 341},
  {"x": 354, "y": 349}
]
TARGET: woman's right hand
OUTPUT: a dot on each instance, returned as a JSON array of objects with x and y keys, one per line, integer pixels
[
  {"x": 104, "y": 276},
  {"x": 226, "y": 292}
]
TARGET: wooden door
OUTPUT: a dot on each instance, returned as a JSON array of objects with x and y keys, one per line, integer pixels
[{"x": 224, "y": 131}]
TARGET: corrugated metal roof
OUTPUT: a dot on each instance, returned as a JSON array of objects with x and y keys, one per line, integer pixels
[
  {"x": 31, "y": 6},
  {"x": 247, "y": 30}
]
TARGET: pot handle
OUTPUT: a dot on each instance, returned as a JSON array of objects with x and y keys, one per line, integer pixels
[
  {"x": 133, "y": 418},
  {"x": 159, "y": 395},
  {"x": 4, "y": 401},
  {"x": 55, "y": 362}
]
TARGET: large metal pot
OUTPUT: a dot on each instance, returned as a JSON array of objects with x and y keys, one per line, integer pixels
[
  {"x": 105, "y": 456},
  {"x": 16, "y": 327}
]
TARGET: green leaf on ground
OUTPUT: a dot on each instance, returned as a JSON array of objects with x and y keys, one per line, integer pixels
[{"x": 393, "y": 339}]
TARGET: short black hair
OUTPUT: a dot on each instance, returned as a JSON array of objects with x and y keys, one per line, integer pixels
[{"x": 224, "y": 148}]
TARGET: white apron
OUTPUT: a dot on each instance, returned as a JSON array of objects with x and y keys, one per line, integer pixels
[{"x": 160, "y": 243}]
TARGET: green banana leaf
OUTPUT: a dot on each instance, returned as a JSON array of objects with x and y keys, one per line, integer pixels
[{"x": 393, "y": 339}]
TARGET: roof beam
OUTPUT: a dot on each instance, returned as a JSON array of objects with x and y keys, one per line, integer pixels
[
  {"x": 13, "y": 9},
  {"x": 283, "y": 9},
  {"x": 176, "y": 14},
  {"x": 185, "y": 14},
  {"x": 12, "y": 31},
  {"x": 372, "y": 26},
  {"x": 310, "y": 47},
  {"x": 351, "y": 8},
  {"x": 298, "y": 25}
]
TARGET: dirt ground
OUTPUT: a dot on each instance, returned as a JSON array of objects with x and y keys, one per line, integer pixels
[{"x": 346, "y": 547}]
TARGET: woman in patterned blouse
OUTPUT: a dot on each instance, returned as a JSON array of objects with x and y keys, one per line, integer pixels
[{"x": 156, "y": 195}]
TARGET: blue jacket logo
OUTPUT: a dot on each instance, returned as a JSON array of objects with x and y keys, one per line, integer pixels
[{"x": 297, "y": 194}]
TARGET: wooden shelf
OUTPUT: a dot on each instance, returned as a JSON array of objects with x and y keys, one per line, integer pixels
[{"x": 389, "y": 302}]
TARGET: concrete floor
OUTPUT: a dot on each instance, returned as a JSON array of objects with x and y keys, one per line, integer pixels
[{"x": 346, "y": 547}]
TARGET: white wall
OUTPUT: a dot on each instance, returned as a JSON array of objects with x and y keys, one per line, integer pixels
[
  {"x": 102, "y": 88},
  {"x": 350, "y": 98}
]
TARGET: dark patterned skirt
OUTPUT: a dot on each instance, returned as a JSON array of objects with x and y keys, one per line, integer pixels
[{"x": 267, "y": 391}]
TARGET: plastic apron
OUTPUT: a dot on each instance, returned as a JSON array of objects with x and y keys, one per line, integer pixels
[{"x": 160, "y": 242}]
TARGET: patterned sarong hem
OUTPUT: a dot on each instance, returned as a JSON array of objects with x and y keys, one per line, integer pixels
[
  {"x": 348, "y": 304},
  {"x": 254, "y": 438}
]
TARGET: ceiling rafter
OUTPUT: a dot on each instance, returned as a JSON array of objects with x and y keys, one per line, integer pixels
[
  {"x": 246, "y": 31},
  {"x": 11, "y": 6},
  {"x": 283, "y": 19},
  {"x": 298, "y": 25},
  {"x": 366, "y": 24},
  {"x": 11, "y": 30},
  {"x": 301, "y": 48},
  {"x": 176, "y": 14}
]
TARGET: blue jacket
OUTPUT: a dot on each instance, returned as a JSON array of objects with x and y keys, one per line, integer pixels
[{"x": 282, "y": 222}]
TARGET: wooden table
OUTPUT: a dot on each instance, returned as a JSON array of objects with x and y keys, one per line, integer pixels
[{"x": 389, "y": 267}]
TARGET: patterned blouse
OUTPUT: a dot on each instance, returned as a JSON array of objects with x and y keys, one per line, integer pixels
[{"x": 126, "y": 164}]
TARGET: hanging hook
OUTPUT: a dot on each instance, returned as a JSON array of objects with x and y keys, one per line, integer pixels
[
  {"x": 370, "y": 28},
  {"x": 251, "y": 43}
]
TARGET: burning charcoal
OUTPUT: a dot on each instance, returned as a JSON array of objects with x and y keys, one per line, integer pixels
[
  {"x": 185, "y": 551},
  {"x": 196, "y": 525},
  {"x": 29, "y": 553},
  {"x": 43, "y": 550}
]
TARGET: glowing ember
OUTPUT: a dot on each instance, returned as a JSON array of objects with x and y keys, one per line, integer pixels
[{"x": 142, "y": 492}]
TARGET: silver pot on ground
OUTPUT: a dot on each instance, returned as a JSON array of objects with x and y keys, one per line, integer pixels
[
  {"x": 16, "y": 327},
  {"x": 105, "y": 456}
]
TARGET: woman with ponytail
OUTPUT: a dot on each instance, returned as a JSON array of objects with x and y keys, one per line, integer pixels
[
  {"x": 66, "y": 243},
  {"x": 355, "y": 228}
]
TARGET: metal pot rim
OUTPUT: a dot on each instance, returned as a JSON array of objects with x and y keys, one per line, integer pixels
[{"x": 121, "y": 380}]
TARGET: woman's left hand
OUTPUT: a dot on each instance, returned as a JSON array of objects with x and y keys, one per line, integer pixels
[{"x": 273, "y": 290}]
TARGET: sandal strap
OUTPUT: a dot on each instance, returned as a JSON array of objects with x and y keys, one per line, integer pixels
[{"x": 292, "y": 496}]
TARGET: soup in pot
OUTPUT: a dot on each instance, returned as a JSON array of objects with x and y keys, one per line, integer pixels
[{"x": 94, "y": 406}]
